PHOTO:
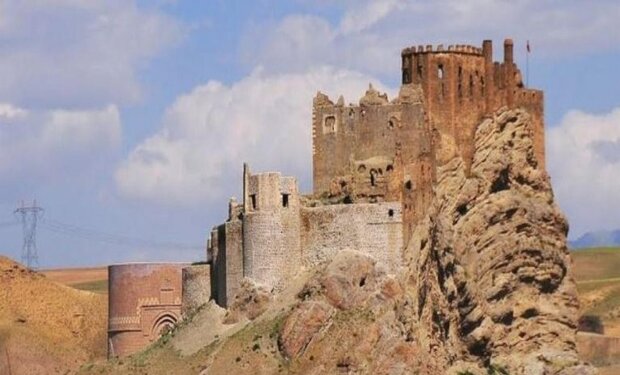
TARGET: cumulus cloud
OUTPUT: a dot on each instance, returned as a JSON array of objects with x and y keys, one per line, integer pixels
[
  {"x": 51, "y": 142},
  {"x": 59, "y": 53},
  {"x": 371, "y": 31},
  {"x": 583, "y": 155},
  {"x": 207, "y": 134}
]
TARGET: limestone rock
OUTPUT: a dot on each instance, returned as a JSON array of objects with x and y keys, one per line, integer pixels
[{"x": 410, "y": 94}]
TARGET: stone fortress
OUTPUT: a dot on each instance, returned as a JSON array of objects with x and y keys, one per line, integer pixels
[{"x": 374, "y": 169}]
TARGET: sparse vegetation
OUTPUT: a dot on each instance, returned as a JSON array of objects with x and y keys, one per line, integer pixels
[{"x": 98, "y": 286}]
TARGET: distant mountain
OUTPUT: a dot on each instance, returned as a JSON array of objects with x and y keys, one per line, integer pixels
[{"x": 597, "y": 239}]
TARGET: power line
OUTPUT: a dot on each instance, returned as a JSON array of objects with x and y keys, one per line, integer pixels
[
  {"x": 29, "y": 217},
  {"x": 109, "y": 238}
]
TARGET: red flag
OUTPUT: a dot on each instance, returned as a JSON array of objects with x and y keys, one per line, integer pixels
[{"x": 528, "y": 47}]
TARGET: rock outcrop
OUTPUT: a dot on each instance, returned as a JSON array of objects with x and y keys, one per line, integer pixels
[{"x": 490, "y": 283}]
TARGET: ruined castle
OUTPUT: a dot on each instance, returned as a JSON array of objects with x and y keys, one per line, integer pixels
[{"x": 374, "y": 169}]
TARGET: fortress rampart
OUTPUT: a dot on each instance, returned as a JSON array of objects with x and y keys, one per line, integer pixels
[
  {"x": 280, "y": 234},
  {"x": 196, "y": 287}
]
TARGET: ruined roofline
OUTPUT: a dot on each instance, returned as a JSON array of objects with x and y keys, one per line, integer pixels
[{"x": 370, "y": 97}]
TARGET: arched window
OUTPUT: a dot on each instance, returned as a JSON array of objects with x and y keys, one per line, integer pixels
[{"x": 440, "y": 76}]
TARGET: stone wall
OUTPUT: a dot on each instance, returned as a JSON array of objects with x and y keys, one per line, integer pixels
[
  {"x": 371, "y": 228},
  {"x": 196, "y": 287},
  {"x": 144, "y": 299},
  {"x": 349, "y": 140}
]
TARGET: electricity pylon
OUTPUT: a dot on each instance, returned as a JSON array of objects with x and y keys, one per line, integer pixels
[{"x": 29, "y": 217}]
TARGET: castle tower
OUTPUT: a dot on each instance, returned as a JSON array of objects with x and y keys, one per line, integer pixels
[
  {"x": 462, "y": 84},
  {"x": 271, "y": 229}
]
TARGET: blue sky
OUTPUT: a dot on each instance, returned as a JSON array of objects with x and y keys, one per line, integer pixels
[{"x": 132, "y": 118}]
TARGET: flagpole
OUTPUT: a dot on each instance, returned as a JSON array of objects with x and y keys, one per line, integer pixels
[{"x": 527, "y": 65}]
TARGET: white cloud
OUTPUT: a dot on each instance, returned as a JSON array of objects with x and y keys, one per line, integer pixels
[
  {"x": 362, "y": 17},
  {"x": 58, "y": 53},
  {"x": 207, "y": 134},
  {"x": 370, "y": 34},
  {"x": 583, "y": 155},
  {"x": 52, "y": 143},
  {"x": 9, "y": 111}
]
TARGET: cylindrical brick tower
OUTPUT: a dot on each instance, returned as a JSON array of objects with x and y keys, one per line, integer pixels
[{"x": 144, "y": 300}]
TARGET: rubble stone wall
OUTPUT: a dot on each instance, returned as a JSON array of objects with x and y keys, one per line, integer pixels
[
  {"x": 374, "y": 229},
  {"x": 196, "y": 287}
]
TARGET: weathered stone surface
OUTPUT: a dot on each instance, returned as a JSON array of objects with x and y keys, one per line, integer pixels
[
  {"x": 490, "y": 281},
  {"x": 349, "y": 280},
  {"x": 301, "y": 326},
  {"x": 250, "y": 302}
]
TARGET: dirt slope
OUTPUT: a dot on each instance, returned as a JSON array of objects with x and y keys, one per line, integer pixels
[{"x": 46, "y": 327}]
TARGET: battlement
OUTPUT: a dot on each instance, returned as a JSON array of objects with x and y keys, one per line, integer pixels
[{"x": 452, "y": 48}]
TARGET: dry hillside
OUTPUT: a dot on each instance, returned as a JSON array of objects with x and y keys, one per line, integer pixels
[
  {"x": 93, "y": 279},
  {"x": 597, "y": 272},
  {"x": 46, "y": 327}
]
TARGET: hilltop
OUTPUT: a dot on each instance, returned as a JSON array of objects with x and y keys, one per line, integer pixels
[{"x": 46, "y": 327}]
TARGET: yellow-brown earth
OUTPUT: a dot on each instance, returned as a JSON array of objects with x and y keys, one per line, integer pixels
[{"x": 47, "y": 327}]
